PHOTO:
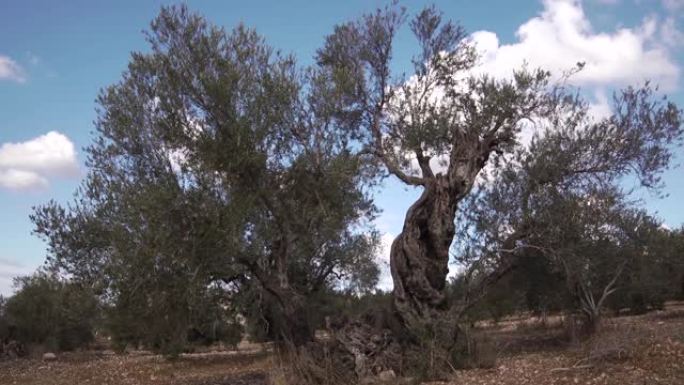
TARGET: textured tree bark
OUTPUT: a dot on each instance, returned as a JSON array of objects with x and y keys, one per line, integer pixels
[
  {"x": 289, "y": 316},
  {"x": 293, "y": 324},
  {"x": 591, "y": 322},
  {"x": 420, "y": 320},
  {"x": 419, "y": 260},
  {"x": 419, "y": 256},
  {"x": 297, "y": 329}
]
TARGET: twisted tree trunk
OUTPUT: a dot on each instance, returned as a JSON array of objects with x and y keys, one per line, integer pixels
[{"x": 419, "y": 256}]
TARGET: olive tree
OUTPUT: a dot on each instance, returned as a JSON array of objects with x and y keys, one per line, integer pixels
[
  {"x": 49, "y": 311},
  {"x": 435, "y": 130},
  {"x": 568, "y": 197},
  {"x": 439, "y": 128},
  {"x": 218, "y": 161}
]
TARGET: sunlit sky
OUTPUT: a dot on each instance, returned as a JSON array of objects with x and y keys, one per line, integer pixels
[{"x": 56, "y": 56}]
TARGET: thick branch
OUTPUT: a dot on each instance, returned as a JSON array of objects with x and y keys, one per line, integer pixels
[
  {"x": 507, "y": 264},
  {"x": 424, "y": 163}
]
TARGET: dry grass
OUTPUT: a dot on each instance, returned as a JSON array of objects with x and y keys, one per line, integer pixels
[
  {"x": 647, "y": 349},
  {"x": 617, "y": 342}
]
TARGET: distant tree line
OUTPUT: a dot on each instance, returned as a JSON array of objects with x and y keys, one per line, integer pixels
[{"x": 538, "y": 286}]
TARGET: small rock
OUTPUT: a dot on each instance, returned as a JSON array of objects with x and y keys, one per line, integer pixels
[
  {"x": 49, "y": 357},
  {"x": 387, "y": 375}
]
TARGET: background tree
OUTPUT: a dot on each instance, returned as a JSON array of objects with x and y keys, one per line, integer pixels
[
  {"x": 50, "y": 312},
  {"x": 593, "y": 246},
  {"x": 566, "y": 195},
  {"x": 652, "y": 276}
]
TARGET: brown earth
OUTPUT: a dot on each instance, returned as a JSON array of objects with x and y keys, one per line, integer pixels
[
  {"x": 647, "y": 349},
  {"x": 97, "y": 369}
]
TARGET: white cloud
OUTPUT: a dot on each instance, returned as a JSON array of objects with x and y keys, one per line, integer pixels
[
  {"x": 673, "y": 5},
  {"x": 50, "y": 153},
  {"x": 10, "y": 70},
  {"x": 29, "y": 164},
  {"x": 8, "y": 271},
  {"x": 562, "y": 36},
  {"x": 670, "y": 34},
  {"x": 383, "y": 261},
  {"x": 21, "y": 180},
  {"x": 559, "y": 38},
  {"x": 601, "y": 108}
]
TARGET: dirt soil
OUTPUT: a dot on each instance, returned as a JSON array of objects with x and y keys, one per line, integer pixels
[
  {"x": 647, "y": 349},
  {"x": 98, "y": 369},
  {"x": 644, "y": 350}
]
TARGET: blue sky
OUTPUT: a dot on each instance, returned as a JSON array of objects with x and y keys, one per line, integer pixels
[{"x": 56, "y": 56}]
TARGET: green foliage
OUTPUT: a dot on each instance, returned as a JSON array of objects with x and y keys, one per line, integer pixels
[
  {"x": 171, "y": 320},
  {"x": 4, "y": 324},
  {"x": 48, "y": 311},
  {"x": 217, "y": 163},
  {"x": 654, "y": 275},
  {"x": 562, "y": 199},
  {"x": 535, "y": 285}
]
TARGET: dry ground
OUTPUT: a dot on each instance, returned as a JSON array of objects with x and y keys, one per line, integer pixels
[
  {"x": 647, "y": 349},
  {"x": 97, "y": 369}
]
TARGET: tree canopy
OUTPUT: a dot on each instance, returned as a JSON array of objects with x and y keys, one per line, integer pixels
[{"x": 218, "y": 161}]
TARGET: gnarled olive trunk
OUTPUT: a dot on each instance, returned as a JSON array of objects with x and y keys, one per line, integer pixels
[
  {"x": 290, "y": 318},
  {"x": 419, "y": 260},
  {"x": 419, "y": 256}
]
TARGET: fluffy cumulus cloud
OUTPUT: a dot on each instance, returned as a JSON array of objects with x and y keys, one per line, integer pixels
[
  {"x": 562, "y": 36},
  {"x": 30, "y": 164},
  {"x": 10, "y": 70}
]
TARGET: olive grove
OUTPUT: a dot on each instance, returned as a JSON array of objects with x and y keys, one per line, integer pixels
[{"x": 226, "y": 179}]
